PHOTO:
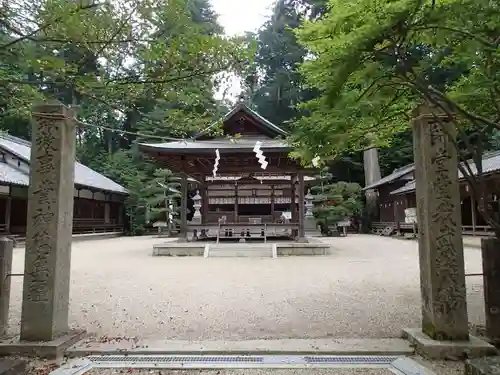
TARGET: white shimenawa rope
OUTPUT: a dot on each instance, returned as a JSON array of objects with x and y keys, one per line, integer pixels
[
  {"x": 260, "y": 156},
  {"x": 216, "y": 164}
]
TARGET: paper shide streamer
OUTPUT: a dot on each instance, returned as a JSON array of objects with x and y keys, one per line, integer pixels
[
  {"x": 260, "y": 156},
  {"x": 216, "y": 163}
]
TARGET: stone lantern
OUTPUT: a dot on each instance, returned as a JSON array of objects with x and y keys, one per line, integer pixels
[
  {"x": 197, "y": 206},
  {"x": 309, "y": 221},
  {"x": 309, "y": 203}
]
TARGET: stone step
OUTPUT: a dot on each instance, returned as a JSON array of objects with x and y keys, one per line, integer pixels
[{"x": 237, "y": 250}]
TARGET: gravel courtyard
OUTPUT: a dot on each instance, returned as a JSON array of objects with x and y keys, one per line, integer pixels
[{"x": 367, "y": 287}]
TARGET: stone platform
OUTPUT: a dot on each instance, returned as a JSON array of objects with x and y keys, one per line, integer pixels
[
  {"x": 179, "y": 249},
  {"x": 252, "y": 249}
]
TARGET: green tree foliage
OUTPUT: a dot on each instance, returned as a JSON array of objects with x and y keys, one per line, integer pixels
[
  {"x": 338, "y": 201},
  {"x": 160, "y": 193},
  {"x": 280, "y": 87},
  {"x": 374, "y": 62},
  {"x": 133, "y": 66}
]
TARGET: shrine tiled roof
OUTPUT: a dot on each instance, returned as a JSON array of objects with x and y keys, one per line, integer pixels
[
  {"x": 12, "y": 176},
  {"x": 84, "y": 176},
  {"x": 243, "y": 107},
  {"x": 224, "y": 145},
  {"x": 491, "y": 164}
]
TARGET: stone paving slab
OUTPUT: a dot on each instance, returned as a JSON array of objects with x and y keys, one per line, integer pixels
[{"x": 290, "y": 346}]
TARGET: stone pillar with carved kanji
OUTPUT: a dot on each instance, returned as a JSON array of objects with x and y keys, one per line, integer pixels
[
  {"x": 49, "y": 224},
  {"x": 197, "y": 202},
  {"x": 442, "y": 274}
]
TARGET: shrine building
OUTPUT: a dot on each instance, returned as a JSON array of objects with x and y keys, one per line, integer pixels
[
  {"x": 98, "y": 201},
  {"x": 240, "y": 193}
]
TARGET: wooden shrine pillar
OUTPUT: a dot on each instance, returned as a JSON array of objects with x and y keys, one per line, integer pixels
[
  {"x": 184, "y": 193},
  {"x": 8, "y": 210},
  {"x": 292, "y": 199},
  {"x": 397, "y": 219},
  {"x": 204, "y": 200},
  {"x": 473, "y": 213},
  {"x": 293, "y": 179},
  {"x": 272, "y": 203},
  {"x": 236, "y": 202},
  {"x": 302, "y": 233}
]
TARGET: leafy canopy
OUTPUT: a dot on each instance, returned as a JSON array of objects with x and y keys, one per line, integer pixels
[{"x": 375, "y": 61}]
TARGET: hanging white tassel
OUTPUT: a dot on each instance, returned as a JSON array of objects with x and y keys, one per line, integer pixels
[{"x": 216, "y": 164}]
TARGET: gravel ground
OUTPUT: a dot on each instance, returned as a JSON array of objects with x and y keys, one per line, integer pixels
[{"x": 368, "y": 287}]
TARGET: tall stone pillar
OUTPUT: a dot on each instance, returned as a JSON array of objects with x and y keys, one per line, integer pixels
[
  {"x": 442, "y": 275},
  {"x": 371, "y": 168},
  {"x": 49, "y": 224}
]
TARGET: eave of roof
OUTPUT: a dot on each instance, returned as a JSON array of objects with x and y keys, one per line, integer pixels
[
  {"x": 223, "y": 145},
  {"x": 392, "y": 177},
  {"x": 258, "y": 178},
  {"x": 491, "y": 164},
  {"x": 84, "y": 176},
  {"x": 410, "y": 186},
  {"x": 13, "y": 176},
  {"x": 243, "y": 107}
]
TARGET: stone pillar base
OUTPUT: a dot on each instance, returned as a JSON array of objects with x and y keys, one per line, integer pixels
[
  {"x": 449, "y": 350},
  {"x": 54, "y": 349}
]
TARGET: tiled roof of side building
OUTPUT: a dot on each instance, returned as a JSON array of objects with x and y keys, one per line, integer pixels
[
  {"x": 491, "y": 163},
  {"x": 398, "y": 173},
  {"x": 84, "y": 176},
  {"x": 12, "y": 176}
]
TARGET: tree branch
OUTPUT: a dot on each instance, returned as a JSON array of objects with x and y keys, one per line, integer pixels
[
  {"x": 47, "y": 25},
  {"x": 462, "y": 32}
]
